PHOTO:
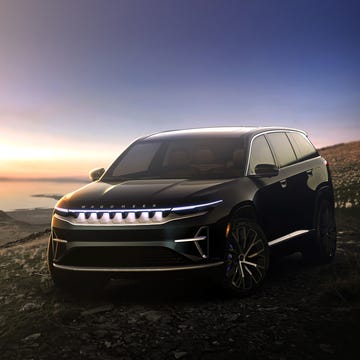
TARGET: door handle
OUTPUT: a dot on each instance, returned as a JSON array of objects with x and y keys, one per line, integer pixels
[
  {"x": 309, "y": 172},
  {"x": 283, "y": 183}
]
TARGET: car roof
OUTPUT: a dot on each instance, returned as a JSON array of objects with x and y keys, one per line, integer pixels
[{"x": 214, "y": 132}]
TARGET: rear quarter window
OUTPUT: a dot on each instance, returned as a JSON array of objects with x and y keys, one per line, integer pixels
[
  {"x": 303, "y": 148},
  {"x": 282, "y": 147}
]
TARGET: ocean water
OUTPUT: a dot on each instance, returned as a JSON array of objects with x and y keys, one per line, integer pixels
[{"x": 20, "y": 194}]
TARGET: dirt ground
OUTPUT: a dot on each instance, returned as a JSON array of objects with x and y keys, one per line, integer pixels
[{"x": 301, "y": 312}]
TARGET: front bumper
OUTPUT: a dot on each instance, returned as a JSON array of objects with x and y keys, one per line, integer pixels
[{"x": 187, "y": 244}]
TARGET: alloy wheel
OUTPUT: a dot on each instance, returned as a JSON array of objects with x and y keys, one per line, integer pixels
[{"x": 246, "y": 256}]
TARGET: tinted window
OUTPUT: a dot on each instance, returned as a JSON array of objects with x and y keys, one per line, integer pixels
[
  {"x": 283, "y": 149},
  {"x": 197, "y": 158},
  {"x": 137, "y": 159},
  {"x": 260, "y": 154},
  {"x": 302, "y": 146}
]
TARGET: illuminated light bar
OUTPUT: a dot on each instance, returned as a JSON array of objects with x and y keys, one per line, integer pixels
[
  {"x": 198, "y": 238},
  {"x": 120, "y": 219},
  {"x": 193, "y": 207},
  {"x": 105, "y": 219},
  {"x": 62, "y": 210},
  {"x": 117, "y": 218},
  {"x": 81, "y": 218},
  {"x": 60, "y": 240},
  {"x": 158, "y": 216},
  {"x": 156, "y": 210},
  {"x": 73, "y": 211},
  {"x": 144, "y": 217},
  {"x": 130, "y": 217},
  {"x": 93, "y": 218}
]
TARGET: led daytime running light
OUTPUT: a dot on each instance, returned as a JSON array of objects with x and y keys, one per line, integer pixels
[
  {"x": 193, "y": 207},
  {"x": 180, "y": 208}
]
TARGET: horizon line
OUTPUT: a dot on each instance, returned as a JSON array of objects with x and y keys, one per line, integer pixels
[{"x": 52, "y": 179}]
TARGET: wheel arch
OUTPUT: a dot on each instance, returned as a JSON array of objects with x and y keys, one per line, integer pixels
[
  {"x": 324, "y": 191},
  {"x": 244, "y": 210}
]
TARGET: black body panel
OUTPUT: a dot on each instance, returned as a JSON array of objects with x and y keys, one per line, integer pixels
[{"x": 143, "y": 221}]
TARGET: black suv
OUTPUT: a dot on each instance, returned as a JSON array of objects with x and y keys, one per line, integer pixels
[{"x": 222, "y": 198}]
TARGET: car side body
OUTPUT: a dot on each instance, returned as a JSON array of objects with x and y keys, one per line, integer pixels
[{"x": 222, "y": 198}]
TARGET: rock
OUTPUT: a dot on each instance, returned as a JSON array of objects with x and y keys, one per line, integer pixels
[
  {"x": 151, "y": 315},
  {"x": 100, "y": 333},
  {"x": 270, "y": 308},
  {"x": 180, "y": 354},
  {"x": 326, "y": 348},
  {"x": 88, "y": 349},
  {"x": 32, "y": 337},
  {"x": 97, "y": 310},
  {"x": 231, "y": 317},
  {"x": 30, "y": 307}
]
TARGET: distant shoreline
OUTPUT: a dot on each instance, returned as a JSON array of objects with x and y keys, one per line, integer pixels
[
  {"x": 49, "y": 196},
  {"x": 21, "y": 223},
  {"x": 61, "y": 179}
]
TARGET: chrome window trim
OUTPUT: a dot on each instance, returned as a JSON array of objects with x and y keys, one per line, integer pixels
[
  {"x": 303, "y": 133},
  {"x": 306, "y": 139}
]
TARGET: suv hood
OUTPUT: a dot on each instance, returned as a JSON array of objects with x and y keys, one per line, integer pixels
[{"x": 143, "y": 194}]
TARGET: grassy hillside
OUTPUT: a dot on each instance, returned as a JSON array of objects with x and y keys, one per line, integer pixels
[{"x": 344, "y": 160}]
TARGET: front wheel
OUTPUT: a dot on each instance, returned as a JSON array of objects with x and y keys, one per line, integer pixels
[
  {"x": 322, "y": 246},
  {"x": 246, "y": 257}
]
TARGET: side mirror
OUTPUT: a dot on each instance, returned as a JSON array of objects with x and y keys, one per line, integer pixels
[
  {"x": 266, "y": 170},
  {"x": 95, "y": 174}
]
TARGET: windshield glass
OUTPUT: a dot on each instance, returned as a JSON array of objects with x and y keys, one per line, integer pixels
[{"x": 180, "y": 159}]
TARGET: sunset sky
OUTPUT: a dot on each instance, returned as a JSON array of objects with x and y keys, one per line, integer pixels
[{"x": 80, "y": 79}]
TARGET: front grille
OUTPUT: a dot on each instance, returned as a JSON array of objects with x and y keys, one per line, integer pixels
[
  {"x": 124, "y": 257},
  {"x": 103, "y": 235},
  {"x": 118, "y": 218},
  {"x": 122, "y": 218}
]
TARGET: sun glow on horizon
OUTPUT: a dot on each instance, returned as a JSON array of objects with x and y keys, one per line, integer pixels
[{"x": 48, "y": 162}]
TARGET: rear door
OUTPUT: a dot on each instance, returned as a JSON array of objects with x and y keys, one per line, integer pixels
[
  {"x": 270, "y": 199},
  {"x": 292, "y": 179},
  {"x": 306, "y": 179}
]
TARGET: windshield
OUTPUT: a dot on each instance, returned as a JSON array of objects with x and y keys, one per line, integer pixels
[{"x": 180, "y": 159}]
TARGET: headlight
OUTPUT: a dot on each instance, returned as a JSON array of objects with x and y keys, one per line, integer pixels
[{"x": 196, "y": 208}]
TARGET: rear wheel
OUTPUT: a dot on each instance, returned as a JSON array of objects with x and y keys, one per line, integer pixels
[
  {"x": 322, "y": 246},
  {"x": 246, "y": 257}
]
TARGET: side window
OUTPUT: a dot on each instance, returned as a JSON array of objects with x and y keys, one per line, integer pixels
[
  {"x": 282, "y": 147},
  {"x": 302, "y": 146},
  {"x": 260, "y": 154}
]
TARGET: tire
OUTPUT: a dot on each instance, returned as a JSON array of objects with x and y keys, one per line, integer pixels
[
  {"x": 71, "y": 280},
  {"x": 246, "y": 257},
  {"x": 322, "y": 245}
]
